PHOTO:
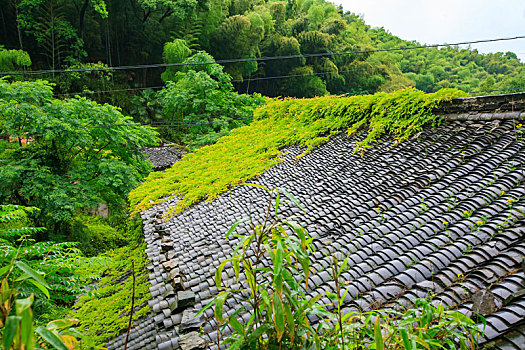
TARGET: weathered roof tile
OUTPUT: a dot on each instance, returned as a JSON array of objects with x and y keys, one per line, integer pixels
[{"x": 418, "y": 243}]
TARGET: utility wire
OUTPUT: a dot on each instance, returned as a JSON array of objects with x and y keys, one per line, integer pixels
[
  {"x": 158, "y": 124},
  {"x": 104, "y": 91},
  {"x": 255, "y": 59},
  {"x": 263, "y": 78},
  {"x": 233, "y": 81},
  {"x": 519, "y": 88}
]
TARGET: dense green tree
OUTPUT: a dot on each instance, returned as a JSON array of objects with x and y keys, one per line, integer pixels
[
  {"x": 12, "y": 60},
  {"x": 304, "y": 83},
  {"x": 513, "y": 83},
  {"x": 201, "y": 105},
  {"x": 280, "y": 46},
  {"x": 65, "y": 34},
  {"x": 66, "y": 155},
  {"x": 180, "y": 9},
  {"x": 56, "y": 38},
  {"x": 278, "y": 13},
  {"x": 238, "y": 37}
]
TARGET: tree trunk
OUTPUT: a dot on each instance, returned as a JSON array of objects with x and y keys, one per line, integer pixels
[
  {"x": 146, "y": 15},
  {"x": 165, "y": 15},
  {"x": 81, "y": 18},
  {"x": 18, "y": 27},
  {"x": 4, "y": 27}
]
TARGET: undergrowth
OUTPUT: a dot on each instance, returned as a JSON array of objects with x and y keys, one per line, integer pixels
[
  {"x": 104, "y": 311},
  {"x": 249, "y": 151}
]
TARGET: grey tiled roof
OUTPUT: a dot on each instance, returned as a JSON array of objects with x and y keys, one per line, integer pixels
[
  {"x": 386, "y": 211},
  {"x": 163, "y": 157}
]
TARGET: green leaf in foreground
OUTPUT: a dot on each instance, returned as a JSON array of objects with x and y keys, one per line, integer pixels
[
  {"x": 51, "y": 338},
  {"x": 32, "y": 273},
  {"x": 10, "y": 330},
  {"x": 377, "y": 334}
]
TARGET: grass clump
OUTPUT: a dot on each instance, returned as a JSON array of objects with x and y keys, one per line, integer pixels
[
  {"x": 104, "y": 311},
  {"x": 249, "y": 151}
]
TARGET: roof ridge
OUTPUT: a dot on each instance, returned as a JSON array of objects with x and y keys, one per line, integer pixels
[
  {"x": 484, "y": 116},
  {"x": 490, "y": 107}
]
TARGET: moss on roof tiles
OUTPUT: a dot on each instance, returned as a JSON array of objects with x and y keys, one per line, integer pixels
[
  {"x": 103, "y": 311},
  {"x": 249, "y": 151}
]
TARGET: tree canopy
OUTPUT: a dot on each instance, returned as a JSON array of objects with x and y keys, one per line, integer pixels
[
  {"x": 66, "y": 155},
  {"x": 201, "y": 105},
  {"x": 64, "y": 34}
]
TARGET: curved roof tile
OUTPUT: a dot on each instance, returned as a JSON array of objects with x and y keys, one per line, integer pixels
[{"x": 442, "y": 215}]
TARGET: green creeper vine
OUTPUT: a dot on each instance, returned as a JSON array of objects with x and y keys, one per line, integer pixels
[
  {"x": 249, "y": 151},
  {"x": 102, "y": 310}
]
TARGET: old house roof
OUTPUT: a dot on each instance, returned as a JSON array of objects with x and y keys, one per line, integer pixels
[
  {"x": 441, "y": 214},
  {"x": 163, "y": 157}
]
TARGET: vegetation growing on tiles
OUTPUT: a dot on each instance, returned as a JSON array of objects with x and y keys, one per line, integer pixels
[
  {"x": 252, "y": 149},
  {"x": 104, "y": 310},
  {"x": 266, "y": 263}
]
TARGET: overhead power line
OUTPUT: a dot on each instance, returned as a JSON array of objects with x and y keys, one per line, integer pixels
[
  {"x": 159, "y": 125},
  {"x": 255, "y": 59},
  {"x": 519, "y": 88},
  {"x": 87, "y": 92},
  {"x": 233, "y": 81}
]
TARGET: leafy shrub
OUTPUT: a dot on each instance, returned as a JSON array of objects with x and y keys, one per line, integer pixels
[
  {"x": 277, "y": 303},
  {"x": 93, "y": 78},
  {"x": 18, "y": 277},
  {"x": 95, "y": 236},
  {"x": 54, "y": 260},
  {"x": 249, "y": 151},
  {"x": 145, "y": 107},
  {"x": 421, "y": 327},
  {"x": 11, "y": 60}
]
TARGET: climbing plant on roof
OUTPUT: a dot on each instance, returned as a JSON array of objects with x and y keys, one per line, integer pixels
[
  {"x": 101, "y": 310},
  {"x": 250, "y": 150}
]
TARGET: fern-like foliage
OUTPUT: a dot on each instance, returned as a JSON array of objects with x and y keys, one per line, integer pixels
[
  {"x": 12, "y": 212},
  {"x": 191, "y": 34},
  {"x": 55, "y": 261},
  {"x": 13, "y": 220}
]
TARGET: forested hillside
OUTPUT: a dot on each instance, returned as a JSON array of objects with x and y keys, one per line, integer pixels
[{"x": 93, "y": 33}]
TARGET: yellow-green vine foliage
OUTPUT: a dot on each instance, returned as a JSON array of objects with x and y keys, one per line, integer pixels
[
  {"x": 249, "y": 151},
  {"x": 104, "y": 312}
]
